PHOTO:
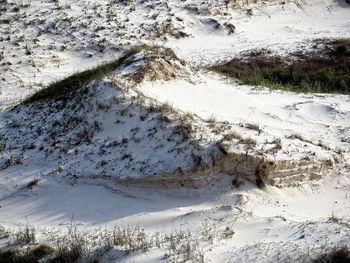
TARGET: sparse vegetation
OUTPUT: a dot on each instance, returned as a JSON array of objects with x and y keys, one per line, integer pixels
[
  {"x": 71, "y": 247},
  {"x": 182, "y": 247},
  {"x": 76, "y": 246},
  {"x": 131, "y": 238},
  {"x": 326, "y": 70}
]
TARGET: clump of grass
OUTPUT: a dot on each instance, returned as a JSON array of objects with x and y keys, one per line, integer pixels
[
  {"x": 321, "y": 71},
  {"x": 336, "y": 255},
  {"x": 33, "y": 182}
]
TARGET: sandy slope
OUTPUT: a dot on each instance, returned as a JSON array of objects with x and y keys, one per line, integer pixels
[{"x": 315, "y": 117}]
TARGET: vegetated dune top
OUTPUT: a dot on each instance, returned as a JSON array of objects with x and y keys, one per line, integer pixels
[
  {"x": 43, "y": 42},
  {"x": 108, "y": 129}
]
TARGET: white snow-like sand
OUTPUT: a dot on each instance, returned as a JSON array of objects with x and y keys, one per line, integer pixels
[
  {"x": 315, "y": 117},
  {"x": 290, "y": 224}
]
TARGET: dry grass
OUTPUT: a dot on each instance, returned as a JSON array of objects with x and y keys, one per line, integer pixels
[{"x": 177, "y": 246}]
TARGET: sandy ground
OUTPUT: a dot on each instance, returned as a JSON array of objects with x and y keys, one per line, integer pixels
[{"x": 292, "y": 224}]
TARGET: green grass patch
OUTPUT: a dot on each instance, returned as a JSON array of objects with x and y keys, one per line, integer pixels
[
  {"x": 325, "y": 70},
  {"x": 60, "y": 90}
]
